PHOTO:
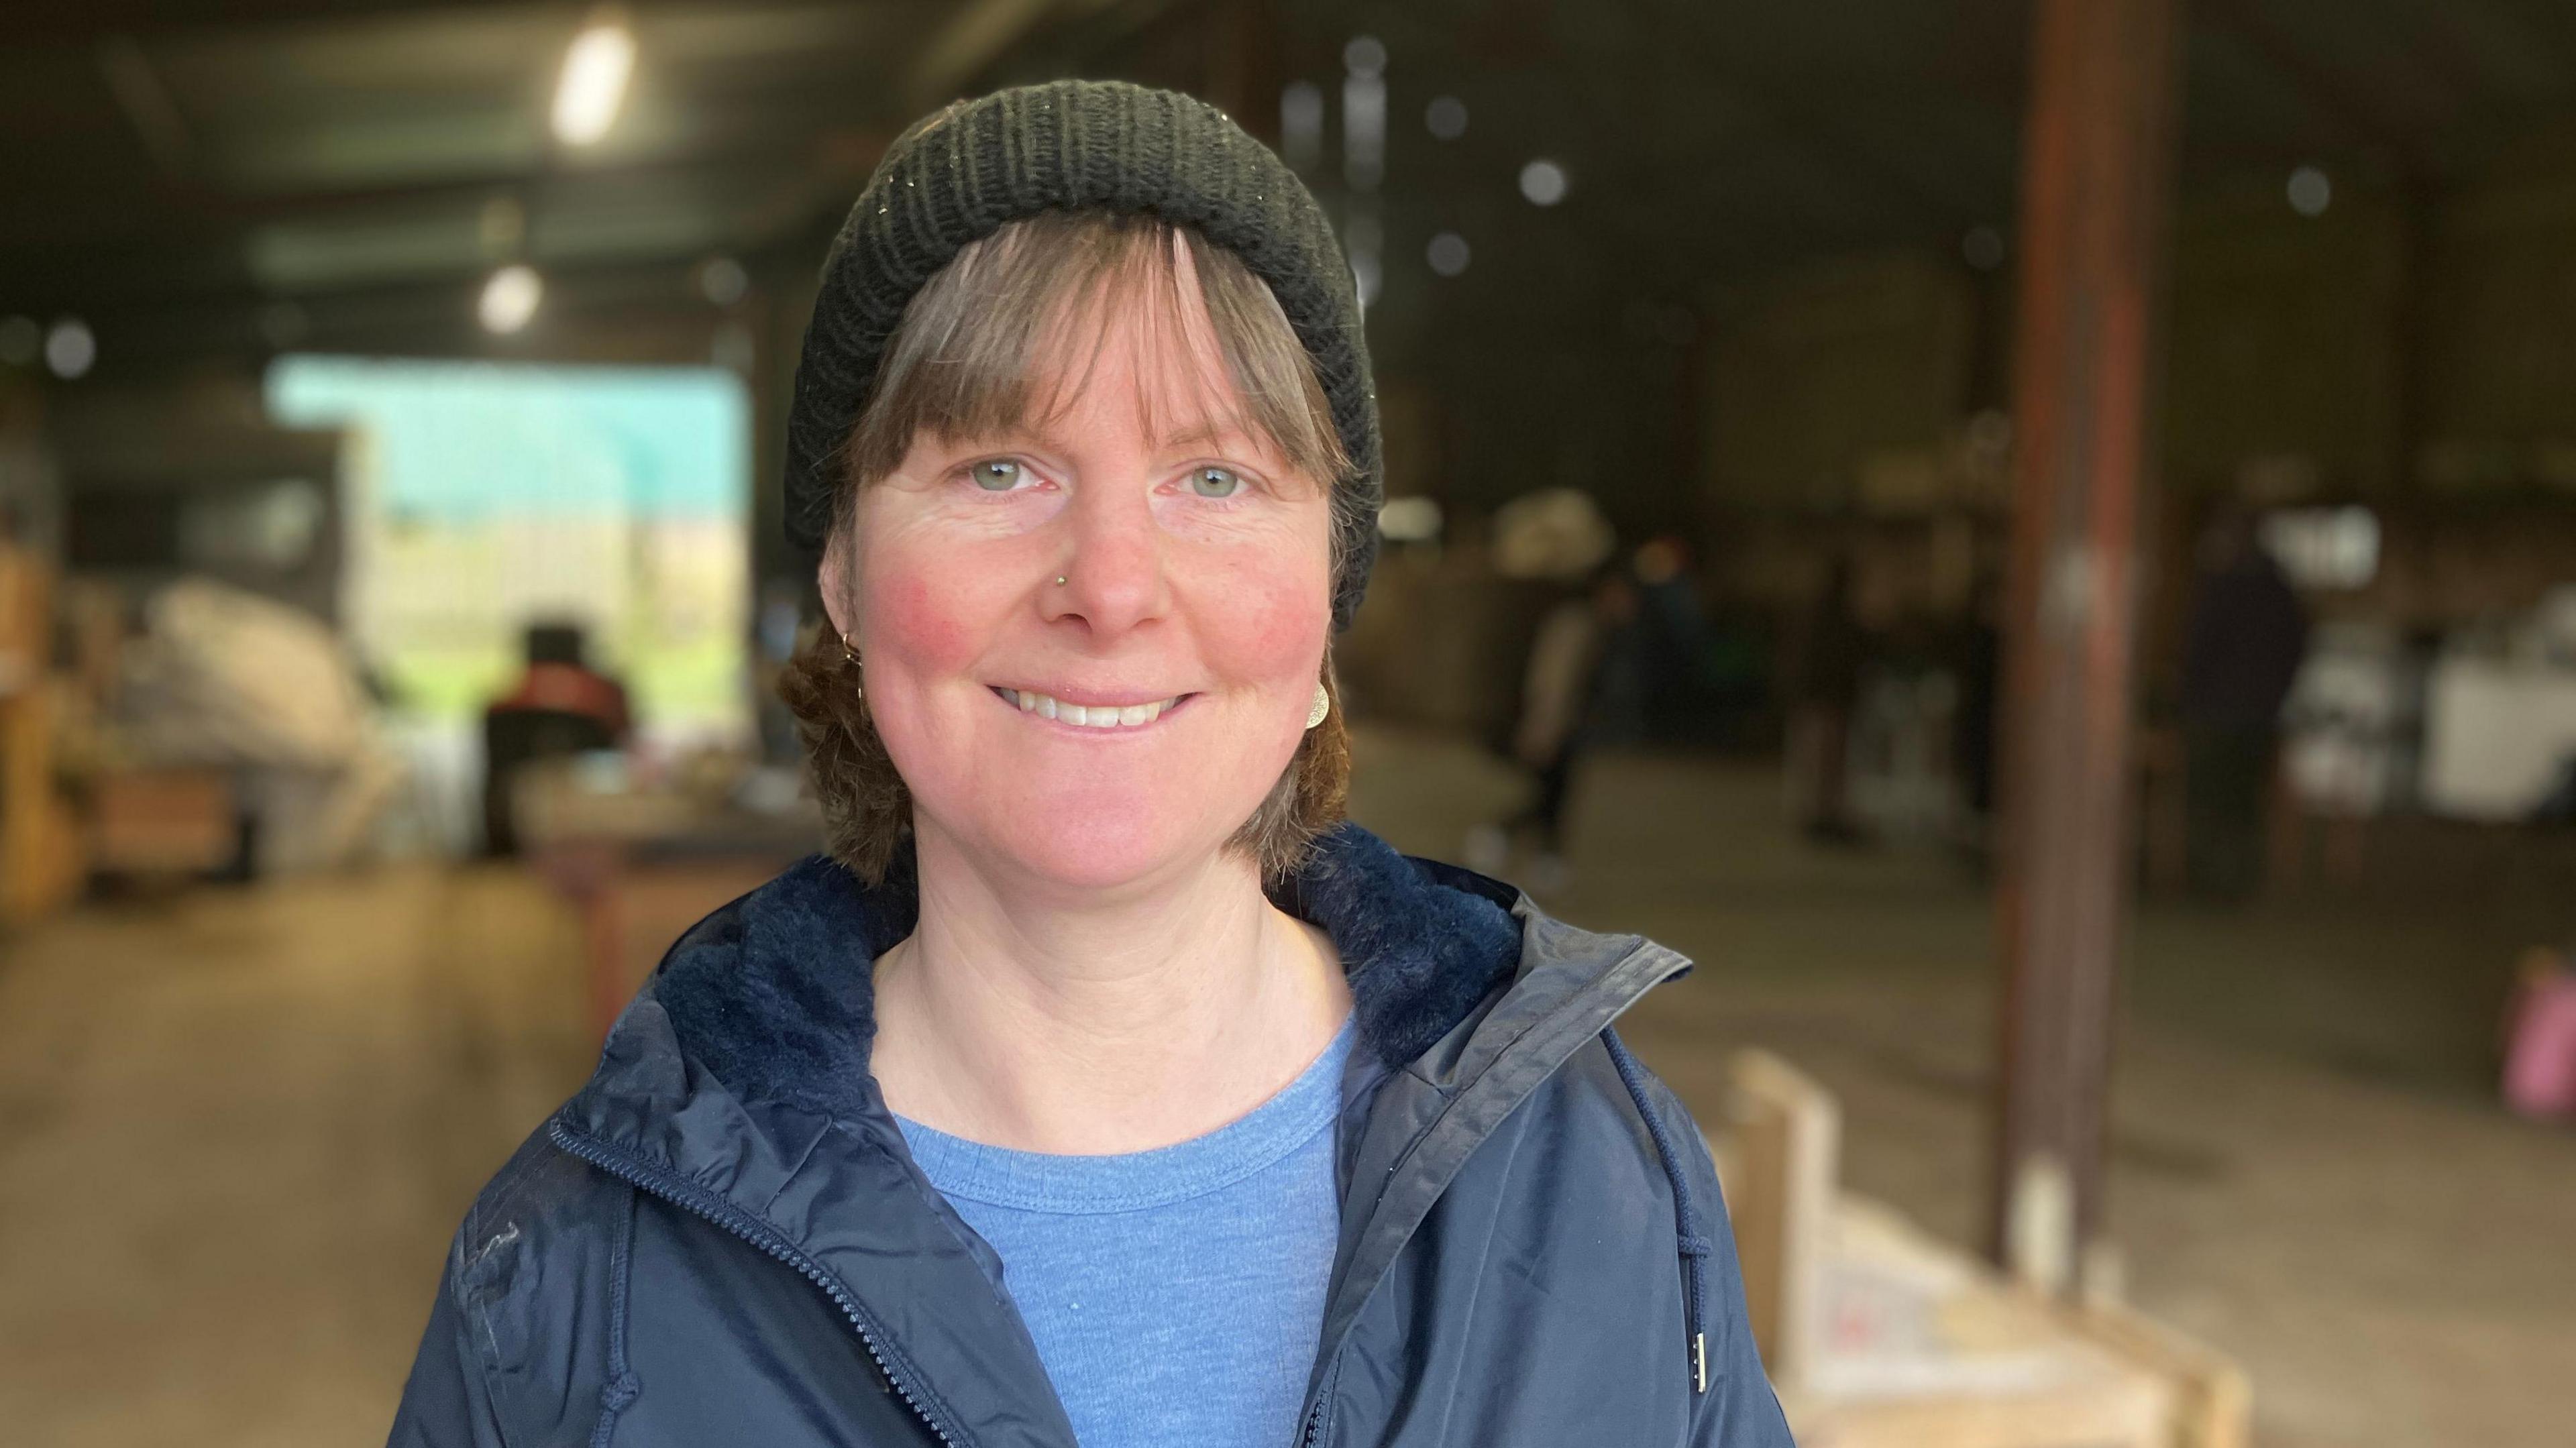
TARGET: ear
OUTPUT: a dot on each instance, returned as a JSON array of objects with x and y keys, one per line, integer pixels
[{"x": 838, "y": 582}]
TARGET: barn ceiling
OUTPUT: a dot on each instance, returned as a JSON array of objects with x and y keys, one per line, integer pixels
[{"x": 188, "y": 169}]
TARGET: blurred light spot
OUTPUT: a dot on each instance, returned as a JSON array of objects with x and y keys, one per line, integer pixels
[
  {"x": 1446, "y": 117},
  {"x": 1409, "y": 520},
  {"x": 1449, "y": 253},
  {"x": 1364, "y": 130},
  {"x": 1301, "y": 124},
  {"x": 510, "y": 299},
  {"x": 2325, "y": 548},
  {"x": 1365, "y": 242},
  {"x": 70, "y": 348},
  {"x": 1365, "y": 55},
  {"x": 20, "y": 340},
  {"x": 1543, "y": 182},
  {"x": 594, "y": 80},
  {"x": 722, "y": 280},
  {"x": 2310, "y": 192},
  {"x": 1982, "y": 248}
]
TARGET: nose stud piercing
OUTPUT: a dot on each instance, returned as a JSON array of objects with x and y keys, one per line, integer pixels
[{"x": 1059, "y": 578}]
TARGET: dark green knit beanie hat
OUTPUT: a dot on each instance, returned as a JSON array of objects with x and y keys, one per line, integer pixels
[{"x": 963, "y": 173}]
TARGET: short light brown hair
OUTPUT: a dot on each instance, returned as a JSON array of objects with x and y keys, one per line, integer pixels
[{"x": 969, "y": 360}]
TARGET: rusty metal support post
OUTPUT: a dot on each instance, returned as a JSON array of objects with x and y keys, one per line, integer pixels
[{"x": 2097, "y": 181}]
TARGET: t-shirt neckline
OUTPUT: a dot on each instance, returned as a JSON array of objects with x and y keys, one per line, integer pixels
[{"x": 1035, "y": 1181}]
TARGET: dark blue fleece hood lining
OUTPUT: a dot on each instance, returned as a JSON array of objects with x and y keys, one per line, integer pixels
[{"x": 773, "y": 995}]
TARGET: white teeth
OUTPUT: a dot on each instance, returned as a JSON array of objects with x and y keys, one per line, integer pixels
[{"x": 1096, "y": 716}]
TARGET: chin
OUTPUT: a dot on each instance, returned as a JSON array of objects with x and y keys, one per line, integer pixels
[
  {"x": 1087, "y": 836},
  {"x": 1088, "y": 848}
]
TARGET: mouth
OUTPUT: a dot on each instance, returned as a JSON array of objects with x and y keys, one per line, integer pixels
[{"x": 1090, "y": 716}]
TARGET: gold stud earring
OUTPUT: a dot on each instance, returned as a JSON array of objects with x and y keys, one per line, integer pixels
[
  {"x": 850, "y": 659},
  {"x": 1322, "y": 706}
]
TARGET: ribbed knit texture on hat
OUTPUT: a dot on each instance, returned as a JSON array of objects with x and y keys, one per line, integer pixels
[{"x": 966, "y": 171}]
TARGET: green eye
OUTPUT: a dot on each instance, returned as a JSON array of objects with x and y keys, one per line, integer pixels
[
  {"x": 1215, "y": 482},
  {"x": 995, "y": 475}
]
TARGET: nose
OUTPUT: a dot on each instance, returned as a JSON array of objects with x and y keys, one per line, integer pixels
[{"x": 1114, "y": 567}]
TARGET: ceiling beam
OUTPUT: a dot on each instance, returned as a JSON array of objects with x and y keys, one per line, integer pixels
[
  {"x": 975, "y": 37},
  {"x": 2342, "y": 108},
  {"x": 146, "y": 104},
  {"x": 84, "y": 23},
  {"x": 1807, "y": 132}
]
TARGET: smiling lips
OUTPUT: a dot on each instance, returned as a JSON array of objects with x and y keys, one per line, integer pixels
[{"x": 1094, "y": 716}]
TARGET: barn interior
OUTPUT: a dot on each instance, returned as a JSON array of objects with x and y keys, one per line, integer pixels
[{"x": 1907, "y": 403}]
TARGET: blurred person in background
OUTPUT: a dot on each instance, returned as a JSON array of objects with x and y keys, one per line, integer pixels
[
  {"x": 1102, "y": 1081},
  {"x": 559, "y": 707},
  {"x": 1832, "y": 651},
  {"x": 1562, "y": 714},
  {"x": 1980, "y": 666},
  {"x": 1673, "y": 642},
  {"x": 2245, "y": 637}
]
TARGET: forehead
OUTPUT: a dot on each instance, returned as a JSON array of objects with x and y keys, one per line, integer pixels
[{"x": 1141, "y": 345}]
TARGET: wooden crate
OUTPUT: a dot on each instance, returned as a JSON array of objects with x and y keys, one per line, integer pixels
[
  {"x": 1784, "y": 1135},
  {"x": 1878, "y": 1335},
  {"x": 40, "y": 866},
  {"x": 41, "y": 857},
  {"x": 1924, "y": 1347},
  {"x": 162, "y": 822}
]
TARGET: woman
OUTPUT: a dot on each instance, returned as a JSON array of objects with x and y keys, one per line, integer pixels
[{"x": 1101, "y": 1086}]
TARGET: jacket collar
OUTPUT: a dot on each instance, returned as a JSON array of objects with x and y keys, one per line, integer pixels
[
  {"x": 769, "y": 1002},
  {"x": 774, "y": 997}
]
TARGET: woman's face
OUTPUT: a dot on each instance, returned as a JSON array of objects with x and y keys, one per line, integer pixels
[{"x": 1193, "y": 613}]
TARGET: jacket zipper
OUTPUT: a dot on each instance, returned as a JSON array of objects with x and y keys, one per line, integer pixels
[
  {"x": 698, "y": 1202},
  {"x": 1311, "y": 1434},
  {"x": 1314, "y": 1433},
  {"x": 1312, "y": 1430}
]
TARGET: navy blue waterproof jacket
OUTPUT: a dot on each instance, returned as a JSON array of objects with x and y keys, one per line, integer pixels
[{"x": 722, "y": 1239}]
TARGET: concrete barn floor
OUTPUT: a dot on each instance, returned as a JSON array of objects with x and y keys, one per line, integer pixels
[{"x": 237, "y": 1127}]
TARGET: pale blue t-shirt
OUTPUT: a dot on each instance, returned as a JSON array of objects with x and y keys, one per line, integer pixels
[{"x": 1176, "y": 1295}]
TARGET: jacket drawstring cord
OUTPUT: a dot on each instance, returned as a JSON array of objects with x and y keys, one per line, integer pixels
[
  {"x": 621, "y": 1388},
  {"x": 1692, "y": 1242}
]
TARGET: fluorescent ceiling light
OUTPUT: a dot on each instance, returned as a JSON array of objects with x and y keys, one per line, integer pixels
[
  {"x": 510, "y": 299},
  {"x": 70, "y": 348},
  {"x": 594, "y": 81},
  {"x": 1543, "y": 182}
]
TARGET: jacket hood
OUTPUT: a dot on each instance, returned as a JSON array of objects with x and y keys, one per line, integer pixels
[{"x": 774, "y": 998}]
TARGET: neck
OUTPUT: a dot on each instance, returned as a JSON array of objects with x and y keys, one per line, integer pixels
[{"x": 1097, "y": 1022}]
